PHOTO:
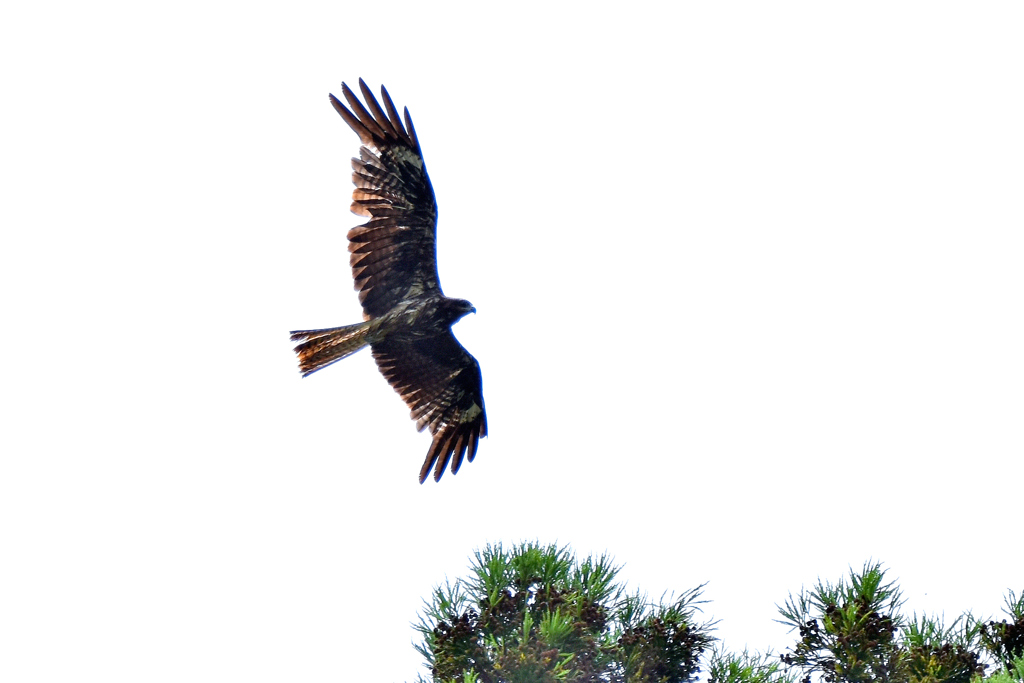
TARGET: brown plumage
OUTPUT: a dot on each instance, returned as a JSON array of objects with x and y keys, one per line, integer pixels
[{"x": 407, "y": 319}]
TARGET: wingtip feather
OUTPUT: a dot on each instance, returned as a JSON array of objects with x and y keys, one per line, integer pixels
[
  {"x": 428, "y": 462},
  {"x": 378, "y": 114},
  {"x": 459, "y": 450},
  {"x": 412, "y": 130},
  {"x": 365, "y": 136},
  {"x": 393, "y": 112},
  {"x": 361, "y": 113}
]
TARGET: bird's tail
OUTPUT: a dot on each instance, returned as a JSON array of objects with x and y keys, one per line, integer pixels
[{"x": 320, "y": 348}]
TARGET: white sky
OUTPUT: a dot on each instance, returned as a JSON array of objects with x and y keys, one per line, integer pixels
[{"x": 749, "y": 287}]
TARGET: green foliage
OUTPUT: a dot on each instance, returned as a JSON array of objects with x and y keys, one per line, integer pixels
[
  {"x": 936, "y": 654},
  {"x": 853, "y": 632},
  {"x": 534, "y": 614},
  {"x": 1005, "y": 640},
  {"x": 659, "y": 642},
  {"x": 727, "y": 667},
  {"x": 1010, "y": 674},
  {"x": 847, "y": 630}
]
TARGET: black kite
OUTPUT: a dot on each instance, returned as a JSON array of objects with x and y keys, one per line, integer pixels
[{"x": 407, "y": 319}]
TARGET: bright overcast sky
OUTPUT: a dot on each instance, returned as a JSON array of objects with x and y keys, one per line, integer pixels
[{"x": 749, "y": 281}]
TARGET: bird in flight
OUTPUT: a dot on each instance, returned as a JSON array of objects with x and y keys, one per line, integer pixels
[{"x": 407, "y": 319}]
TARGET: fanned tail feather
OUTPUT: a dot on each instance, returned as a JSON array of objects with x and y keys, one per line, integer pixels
[{"x": 320, "y": 348}]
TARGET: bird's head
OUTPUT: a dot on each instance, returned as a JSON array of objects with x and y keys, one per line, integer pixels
[{"x": 459, "y": 307}]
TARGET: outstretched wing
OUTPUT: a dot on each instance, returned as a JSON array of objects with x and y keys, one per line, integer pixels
[
  {"x": 394, "y": 255},
  {"x": 440, "y": 382}
]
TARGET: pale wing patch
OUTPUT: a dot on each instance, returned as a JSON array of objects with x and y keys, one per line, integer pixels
[{"x": 471, "y": 413}]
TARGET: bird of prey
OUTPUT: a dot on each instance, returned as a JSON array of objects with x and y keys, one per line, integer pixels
[{"x": 406, "y": 318}]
